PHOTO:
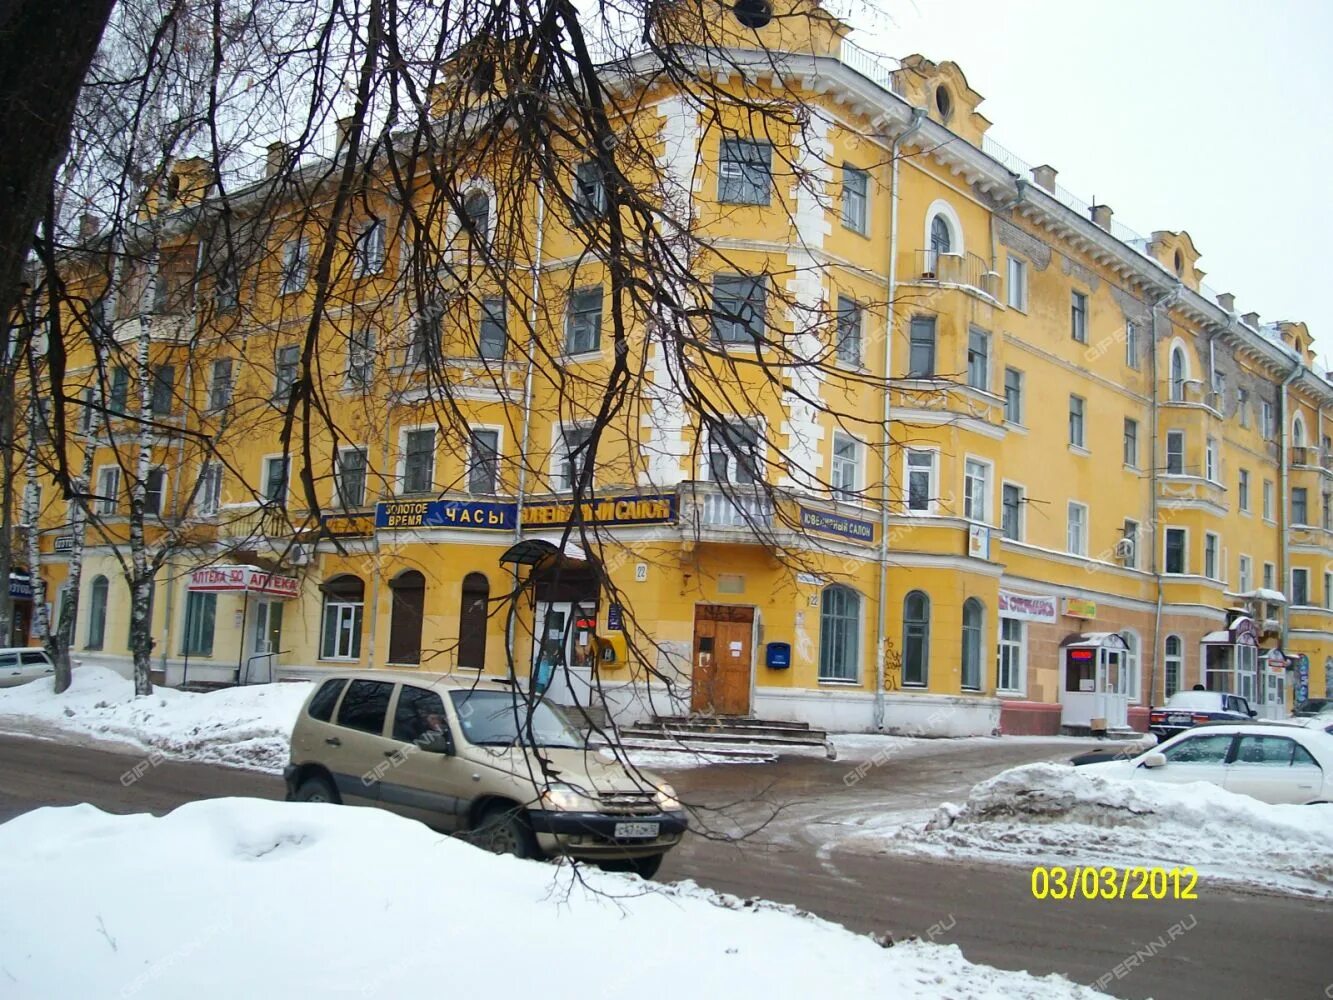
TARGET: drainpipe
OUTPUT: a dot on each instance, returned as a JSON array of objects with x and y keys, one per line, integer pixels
[
  {"x": 1284, "y": 510},
  {"x": 1166, "y": 299},
  {"x": 891, "y": 285},
  {"x": 521, "y": 491}
]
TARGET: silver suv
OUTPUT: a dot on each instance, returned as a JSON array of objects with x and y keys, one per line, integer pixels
[{"x": 473, "y": 756}]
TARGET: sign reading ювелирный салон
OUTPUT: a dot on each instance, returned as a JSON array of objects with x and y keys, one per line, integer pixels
[{"x": 492, "y": 516}]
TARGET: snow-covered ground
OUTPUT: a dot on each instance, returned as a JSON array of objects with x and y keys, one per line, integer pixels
[
  {"x": 247, "y": 726},
  {"x": 1059, "y": 814},
  {"x": 234, "y": 898}
]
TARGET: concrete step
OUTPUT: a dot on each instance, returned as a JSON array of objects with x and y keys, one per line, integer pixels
[
  {"x": 749, "y": 735},
  {"x": 748, "y": 752},
  {"x": 704, "y": 722}
]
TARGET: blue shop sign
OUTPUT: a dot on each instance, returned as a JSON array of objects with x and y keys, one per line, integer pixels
[
  {"x": 472, "y": 514},
  {"x": 20, "y": 586},
  {"x": 837, "y": 524}
]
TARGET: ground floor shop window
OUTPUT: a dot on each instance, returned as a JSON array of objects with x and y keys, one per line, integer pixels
[
  {"x": 97, "y": 598},
  {"x": 1011, "y": 665},
  {"x": 201, "y": 612},
  {"x": 973, "y": 614},
  {"x": 344, "y": 607},
  {"x": 1173, "y": 664},
  {"x": 839, "y": 634},
  {"x": 1233, "y": 669},
  {"x": 916, "y": 638}
]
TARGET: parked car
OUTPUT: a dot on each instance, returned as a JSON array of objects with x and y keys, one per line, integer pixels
[
  {"x": 20, "y": 664},
  {"x": 1274, "y": 762},
  {"x": 473, "y": 757},
  {"x": 1313, "y": 706},
  {"x": 1186, "y": 709},
  {"x": 1322, "y": 723},
  {"x": 1116, "y": 750}
]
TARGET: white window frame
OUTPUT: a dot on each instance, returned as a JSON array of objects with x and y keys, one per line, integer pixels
[
  {"x": 1131, "y": 665},
  {"x": 1175, "y": 435},
  {"x": 851, "y": 222},
  {"x": 499, "y": 454},
  {"x": 295, "y": 260},
  {"x": 1132, "y": 345},
  {"x": 1016, "y": 284},
  {"x": 264, "y": 464},
  {"x": 1082, "y": 443},
  {"x": 933, "y": 491},
  {"x": 1130, "y": 461},
  {"x": 1211, "y": 459},
  {"x": 1305, "y": 574},
  {"x": 400, "y": 464},
  {"x": 842, "y": 491},
  {"x": 109, "y": 492},
  {"x": 1079, "y": 332},
  {"x": 859, "y": 629},
  {"x": 1022, "y": 510},
  {"x": 562, "y": 472},
  {"x": 940, "y": 207},
  {"x": 208, "y": 498},
  {"x": 1020, "y": 648},
  {"x": 1212, "y": 543},
  {"x": 1243, "y": 491},
  {"x": 369, "y": 249},
  {"x": 969, "y": 493},
  {"x": 1022, "y": 395},
  {"x": 336, "y": 499},
  {"x": 1079, "y": 548},
  {"x": 1178, "y": 660},
  {"x": 1268, "y": 500},
  {"x": 1245, "y": 572},
  {"x": 985, "y": 373},
  {"x": 1270, "y": 575}
]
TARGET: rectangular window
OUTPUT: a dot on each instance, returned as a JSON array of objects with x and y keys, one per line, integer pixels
[
  {"x": 739, "y": 304},
  {"x": 1129, "y": 544},
  {"x": 1078, "y": 317},
  {"x": 108, "y": 490},
  {"x": 120, "y": 390},
  {"x": 295, "y": 265},
  {"x": 493, "y": 332},
  {"x": 1175, "y": 453},
  {"x": 850, "y": 322},
  {"x": 1210, "y": 461},
  {"x": 1013, "y": 395},
  {"x": 210, "y": 489},
  {"x": 975, "y": 490},
  {"x": 351, "y": 477},
  {"x": 87, "y": 417},
  {"x": 275, "y": 478},
  {"x": 920, "y": 480},
  {"x": 733, "y": 454},
  {"x": 978, "y": 359},
  {"x": 361, "y": 358},
  {"x": 1016, "y": 288},
  {"x": 589, "y": 190},
  {"x": 1011, "y": 511},
  {"x": 1210, "y": 553},
  {"x": 1243, "y": 406},
  {"x": 1266, "y": 424},
  {"x": 369, "y": 252},
  {"x": 1243, "y": 490},
  {"x": 201, "y": 611},
  {"x": 1246, "y": 574},
  {"x": 921, "y": 357},
  {"x": 845, "y": 472},
  {"x": 1270, "y": 576},
  {"x": 1328, "y": 596},
  {"x": 483, "y": 464},
  {"x": 1131, "y": 456},
  {"x": 164, "y": 390},
  {"x": 1077, "y": 436},
  {"x": 285, "y": 369},
  {"x": 1268, "y": 500},
  {"x": 1132, "y": 346},
  {"x": 855, "y": 199},
  {"x": 1175, "y": 550},
  {"x": 219, "y": 386},
  {"x": 1011, "y": 667},
  {"x": 419, "y": 461},
  {"x": 342, "y": 631},
  {"x": 745, "y": 172},
  {"x": 574, "y": 456},
  {"x": 1327, "y": 514},
  {"x": 1300, "y": 587},
  {"x": 154, "y": 487},
  {"x": 1300, "y": 513},
  {"x": 426, "y": 345},
  {"x": 1077, "y": 535},
  {"x": 583, "y": 321}
]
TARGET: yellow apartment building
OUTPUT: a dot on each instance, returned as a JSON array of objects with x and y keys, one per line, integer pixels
[{"x": 1099, "y": 484}]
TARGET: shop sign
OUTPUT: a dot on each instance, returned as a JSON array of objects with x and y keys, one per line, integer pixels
[
  {"x": 610, "y": 510},
  {"x": 615, "y": 621},
  {"x": 837, "y": 524},
  {"x": 243, "y": 579},
  {"x": 348, "y": 525},
  {"x": 978, "y": 541},
  {"x": 1245, "y": 632},
  {"x": 20, "y": 586},
  {"x": 1079, "y": 607},
  {"x": 445, "y": 514},
  {"x": 1302, "y": 686},
  {"x": 1027, "y": 607},
  {"x": 64, "y": 543}
]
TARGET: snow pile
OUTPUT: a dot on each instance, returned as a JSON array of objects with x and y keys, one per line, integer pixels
[
  {"x": 244, "y": 898},
  {"x": 1072, "y": 814},
  {"x": 246, "y": 727}
]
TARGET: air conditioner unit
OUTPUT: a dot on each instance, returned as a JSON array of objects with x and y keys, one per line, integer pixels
[
  {"x": 299, "y": 555},
  {"x": 1124, "y": 549}
]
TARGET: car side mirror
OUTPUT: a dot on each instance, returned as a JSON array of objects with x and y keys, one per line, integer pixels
[
  {"x": 1254, "y": 714},
  {"x": 435, "y": 741},
  {"x": 1153, "y": 760}
]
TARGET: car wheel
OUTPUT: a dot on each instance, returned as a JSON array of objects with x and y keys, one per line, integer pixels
[
  {"x": 315, "y": 789},
  {"x": 503, "y": 830},
  {"x": 645, "y": 868}
]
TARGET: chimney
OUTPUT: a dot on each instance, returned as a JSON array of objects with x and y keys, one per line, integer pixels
[
  {"x": 1045, "y": 177},
  {"x": 1251, "y": 319},
  {"x": 1227, "y": 301},
  {"x": 276, "y": 158},
  {"x": 89, "y": 226},
  {"x": 1101, "y": 216},
  {"x": 344, "y": 130}
]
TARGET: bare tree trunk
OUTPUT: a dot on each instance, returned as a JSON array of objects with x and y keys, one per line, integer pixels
[
  {"x": 141, "y": 572},
  {"x": 7, "y": 403},
  {"x": 32, "y": 514}
]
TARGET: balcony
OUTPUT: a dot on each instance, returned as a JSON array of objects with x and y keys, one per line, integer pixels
[
  {"x": 723, "y": 510},
  {"x": 1190, "y": 394},
  {"x": 1311, "y": 458},
  {"x": 956, "y": 270},
  {"x": 256, "y": 523},
  {"x": 1188, "y": 486}
]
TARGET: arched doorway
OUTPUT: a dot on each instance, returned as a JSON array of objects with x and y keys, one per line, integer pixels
[{"x": 472, "y": 616}]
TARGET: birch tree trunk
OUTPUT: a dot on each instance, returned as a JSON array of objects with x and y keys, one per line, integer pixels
[
  {"x": 141, "y": 570},
  {"x": 41, "y": 623}
]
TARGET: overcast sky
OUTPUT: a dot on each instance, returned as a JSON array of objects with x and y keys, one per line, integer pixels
[{"x": 1206, "y": 115}]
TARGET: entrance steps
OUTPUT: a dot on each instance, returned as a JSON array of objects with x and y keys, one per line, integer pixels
[
  {"x": 1120, "y": 733},
  {"x": 700, "y": 733}
]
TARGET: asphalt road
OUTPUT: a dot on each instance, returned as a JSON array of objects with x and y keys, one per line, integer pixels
[{"x": 1226, "y": 944}]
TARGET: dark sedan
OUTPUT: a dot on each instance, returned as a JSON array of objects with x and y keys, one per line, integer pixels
[{"x": 1187, "y": 709}]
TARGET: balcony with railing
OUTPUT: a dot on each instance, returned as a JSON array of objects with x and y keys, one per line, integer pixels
[
  {"x": 1306, "y": 457},
  {"x": 954, "y": 270},
  {"x": 725, "y": 510},
  {"x": 257, "y": 523},
  {"x": 1189, "y": 483}
]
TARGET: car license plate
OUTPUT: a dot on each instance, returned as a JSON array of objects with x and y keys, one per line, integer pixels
[
  {"x": 1179, "y": 720},
  {"x": 629, "y": 831}
]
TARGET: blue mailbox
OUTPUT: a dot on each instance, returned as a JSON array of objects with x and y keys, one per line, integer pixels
[{"x": 777, "y": 655}]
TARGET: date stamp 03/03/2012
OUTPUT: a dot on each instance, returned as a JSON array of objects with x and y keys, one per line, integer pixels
[{"x": 1108, "y": 882}]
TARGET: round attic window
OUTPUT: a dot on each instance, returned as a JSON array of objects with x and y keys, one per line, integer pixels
[
  {"x": 1180, "y": 262},
  {"x": 753, "y": 13},
  {"x": 943, "y": 102}
]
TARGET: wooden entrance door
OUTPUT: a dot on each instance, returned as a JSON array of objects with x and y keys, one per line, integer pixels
[{"x": 722, "y": 653}]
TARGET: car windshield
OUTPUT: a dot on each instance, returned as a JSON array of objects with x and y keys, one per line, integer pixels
[{"x": 501, "y": 718}]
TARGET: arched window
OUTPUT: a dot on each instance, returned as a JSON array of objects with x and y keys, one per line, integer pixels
[
  {"x": 941, "y": 236},
  {"x": 1173, "y": 664},
  {"x": 477, "y": 210},
  {"x": 839, "y": 634},
  {"x": 472, "y": 621},
  {"x": 1179, "y": 373},
  {"x": 1129, "y": 666},
  {"x": 97, "y": 613},
  {"x": 409, "y": 608},
  {"x": 344, "y": 608},
  {"x": 1298, "y": 432},
  {"x": 916, "y": 638},
  {"x": 973, "y": 613}
]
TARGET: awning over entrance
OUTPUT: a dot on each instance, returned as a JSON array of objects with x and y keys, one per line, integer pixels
[
  {"x": 534, "y": 551},
  {"x": 244, "y": 580},
  {"x": 1242, "y": 632},
  {"x": 1102, "y": 640}
]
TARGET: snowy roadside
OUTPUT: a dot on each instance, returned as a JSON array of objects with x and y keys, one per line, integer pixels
[
  {"x": 1058, "y": 814},
  {"x": 242, "y": 727},
  {"x": 240, "y": 879}
]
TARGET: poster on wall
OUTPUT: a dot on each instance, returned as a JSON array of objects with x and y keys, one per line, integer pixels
[{"x": 1028, "y": 607}]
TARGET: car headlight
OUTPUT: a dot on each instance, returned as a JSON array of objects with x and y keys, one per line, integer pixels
[
  {"x": 567, "y": 798},
  {"x": 665, "y": 796}
]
